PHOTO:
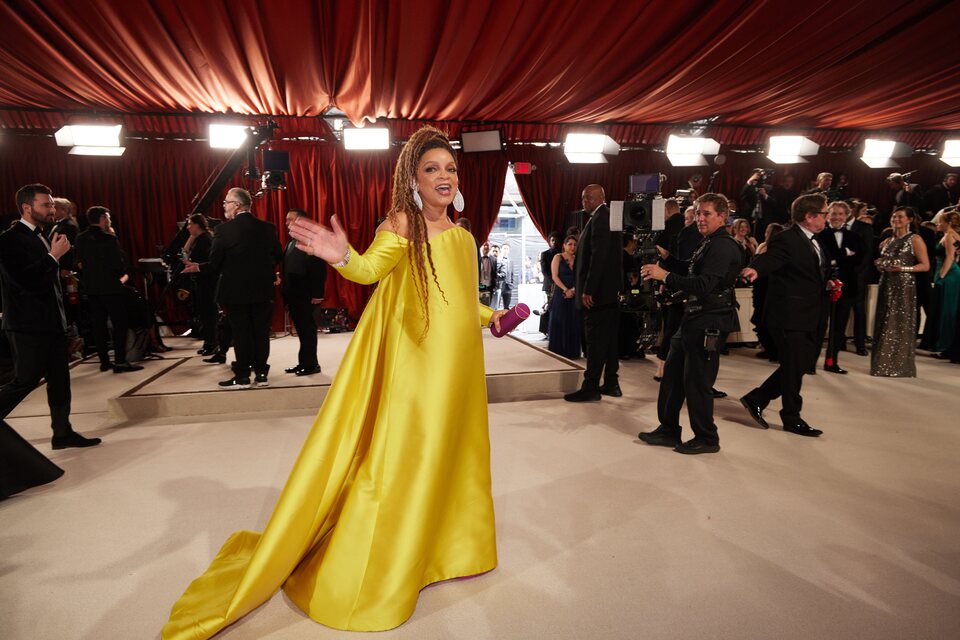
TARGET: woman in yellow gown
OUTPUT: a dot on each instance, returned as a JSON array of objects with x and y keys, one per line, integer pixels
[{"x": 391, "y": 491}]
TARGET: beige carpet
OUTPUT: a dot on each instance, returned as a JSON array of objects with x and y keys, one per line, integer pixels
[{"x": 853, "y": 535}]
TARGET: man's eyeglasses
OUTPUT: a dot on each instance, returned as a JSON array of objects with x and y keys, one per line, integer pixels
[{"x": 230, "y": 202}]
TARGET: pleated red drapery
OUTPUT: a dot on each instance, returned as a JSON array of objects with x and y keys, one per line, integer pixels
[{"x": 151, "y": 187}]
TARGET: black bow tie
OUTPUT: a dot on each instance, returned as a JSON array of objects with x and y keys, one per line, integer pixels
[{"x": 38, "y": 230}]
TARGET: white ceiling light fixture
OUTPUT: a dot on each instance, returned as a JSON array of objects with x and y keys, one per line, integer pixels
[
  {"x": 366, "y": 139},
  {"x": 690, "y": 151},
  {"x": 791, "y": 149},
  {"x": 228, "y": 136},
  {"x": 97, "y": 151},
  {"x": 91, "y": 139},
  {"x": 880, "y": 154},
  {"x": 589, "y": 148},
  {"x": 951, "y": 153},
  {"x": 88, "y": 135}
]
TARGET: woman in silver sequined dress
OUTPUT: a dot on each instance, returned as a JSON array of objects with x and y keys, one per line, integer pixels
[{"x": 895, "y": 331}]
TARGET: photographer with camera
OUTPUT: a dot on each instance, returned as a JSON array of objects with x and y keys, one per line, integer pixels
[
  {"x": 758, "y": 203},
  {"x": 708, "y": 317}
]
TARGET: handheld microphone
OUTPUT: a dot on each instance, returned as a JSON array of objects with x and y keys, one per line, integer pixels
[{"x": 511, "y": 320}]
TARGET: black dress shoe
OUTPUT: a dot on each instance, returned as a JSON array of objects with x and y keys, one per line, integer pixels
[
  {"x": 660, "y": 437},
  {"x": 260, "y": 380},
  {"x": 105, "y": 366},
  {"x": 801, "y": 428},
  {"x": 718, "y": 394},
  {"x": 308, "y": 371},
  {"x": 611, "y": 390},
  {"x": 217, "y": 358},
  {"x": 206, "y": 351},
  {"x": 235, "y": 383},
  {"x": 862, "y": 351},
  {"x": 126, "y": 367},
  {"x": 292, "y": 369},
  {"x": 583, "y": 395},
  {"x": 695, "y": 446},
  {"x": 658, "y": 378},
  {"x": 834, "y": 368},
  {"x": 755, "y": 411},
  {"x": 73, "y": 439}
]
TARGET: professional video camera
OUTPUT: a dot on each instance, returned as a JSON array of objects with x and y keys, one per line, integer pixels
[
  {"x": 643, "y": 221},
  {"x": 763, "y": 182}
]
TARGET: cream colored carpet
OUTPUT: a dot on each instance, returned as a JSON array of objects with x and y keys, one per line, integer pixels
[{"x": 853, "y": 535}]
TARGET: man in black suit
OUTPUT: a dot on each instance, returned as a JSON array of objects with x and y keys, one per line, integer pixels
[
  {"x": 864, "y": 270},
  {"x": 797, "y": 268},
  {"x": 33, "y": 317},
  {"x": 845, "y": 252},
  {"x": 245, "y": 253},
  {"x": 598, "y": 277},
  {"x": 488, "y": 274},
  {"x": 64, "y": 224},
  {"x": 783, "y": 194},
  {"x": 505, "y": 276},
  {"x": 824, "y": 186},
  {"x": 98, "y": 257},
  {"x": 302, "y": 280}
]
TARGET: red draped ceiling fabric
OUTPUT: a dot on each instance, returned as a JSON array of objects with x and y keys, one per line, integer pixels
[{"x": 869, "y": 64}]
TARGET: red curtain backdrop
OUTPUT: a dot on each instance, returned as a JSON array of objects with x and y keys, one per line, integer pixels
[{"x": 151, "y": 187}]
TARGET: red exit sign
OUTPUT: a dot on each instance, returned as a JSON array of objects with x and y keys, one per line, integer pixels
[{"x": 523, "y": 168}]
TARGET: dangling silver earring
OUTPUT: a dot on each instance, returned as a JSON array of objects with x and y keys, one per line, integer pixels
[
  {"x": 458, "y": 202},
  {"x": 416, "y": 195}
]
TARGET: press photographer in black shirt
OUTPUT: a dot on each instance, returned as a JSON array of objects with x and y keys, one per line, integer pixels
[{"x": 708, "y": 317}]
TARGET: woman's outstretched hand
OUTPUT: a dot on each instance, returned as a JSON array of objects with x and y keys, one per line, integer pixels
[{"x": 320, "y": 241}]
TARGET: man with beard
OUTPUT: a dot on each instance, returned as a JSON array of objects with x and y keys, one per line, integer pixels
[{"x": 33, "y": 316}]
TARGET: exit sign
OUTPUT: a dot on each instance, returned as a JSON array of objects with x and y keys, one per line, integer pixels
[{"x": 523, "y": 168}]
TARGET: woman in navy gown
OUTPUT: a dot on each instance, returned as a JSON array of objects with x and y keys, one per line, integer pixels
[{"x": 565, "y": 323}]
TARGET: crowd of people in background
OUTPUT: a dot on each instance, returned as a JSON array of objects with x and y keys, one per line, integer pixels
[{"x": 909, "y": 252}]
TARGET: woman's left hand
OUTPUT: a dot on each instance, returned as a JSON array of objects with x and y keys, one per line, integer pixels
[{"x": 495, "y": 318}]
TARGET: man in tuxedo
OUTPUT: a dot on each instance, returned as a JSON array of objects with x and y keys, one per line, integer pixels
[
  {"x": 302, "y": 280},
  {"x": 102, "y": 267},
  {"x": 845, "y": 252},
  {"x": 33, "y": 317},
  {"x": 245, "y": 253},
  {"x": 864, "y": 268},
  {"x": 506, "y": 276},
  {"x": 796, "y": 266},
  {"x": 598, "y": 277}
]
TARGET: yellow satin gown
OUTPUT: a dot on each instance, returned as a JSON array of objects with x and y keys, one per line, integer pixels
[{"x": 391, "y": 491}]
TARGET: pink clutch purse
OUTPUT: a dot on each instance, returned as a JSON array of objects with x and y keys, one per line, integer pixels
[{"x": 511, "y": 320}]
